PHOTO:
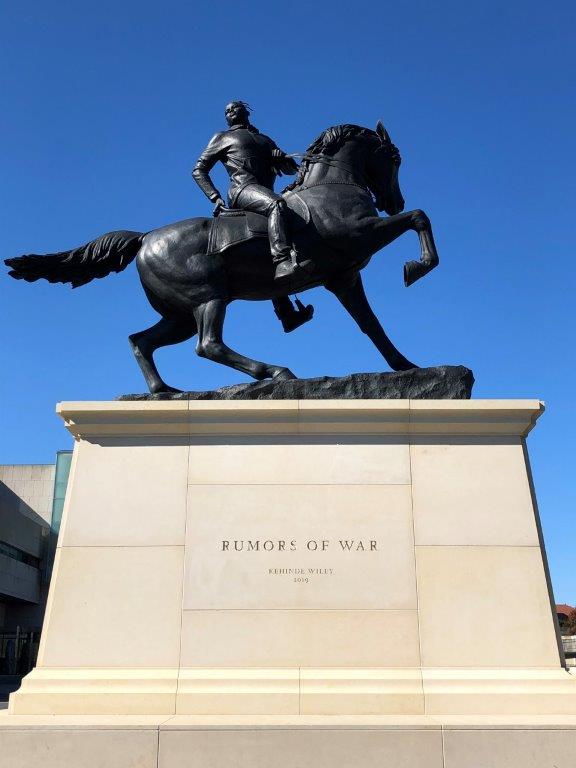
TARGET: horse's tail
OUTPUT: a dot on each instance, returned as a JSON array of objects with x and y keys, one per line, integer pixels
[{"x": 109, "y": 253}]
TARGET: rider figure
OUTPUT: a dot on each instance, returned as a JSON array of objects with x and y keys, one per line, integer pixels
[{"x": 253, "y": 161}]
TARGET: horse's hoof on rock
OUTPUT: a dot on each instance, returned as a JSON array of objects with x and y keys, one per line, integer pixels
[
  {"x": 166, "y": 390},
  {"x": 284, "y": 375}
]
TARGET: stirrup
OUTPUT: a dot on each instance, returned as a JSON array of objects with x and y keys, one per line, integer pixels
[
  {"x": 284, "y": 270},
  {"x": 306, "y": 264}
]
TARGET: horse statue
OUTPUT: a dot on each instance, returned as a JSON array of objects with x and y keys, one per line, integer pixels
[{"x": 193, "y": 269}]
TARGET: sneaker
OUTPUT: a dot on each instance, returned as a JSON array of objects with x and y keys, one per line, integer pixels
[{"x": 296, "y": 318}]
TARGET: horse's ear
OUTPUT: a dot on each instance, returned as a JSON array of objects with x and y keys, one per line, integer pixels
[{"x": 382, "y": 132}]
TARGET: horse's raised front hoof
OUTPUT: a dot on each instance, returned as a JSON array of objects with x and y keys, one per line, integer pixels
[
  {"x": 414, "y": 270},
  {"x": 284, "y": 374}
]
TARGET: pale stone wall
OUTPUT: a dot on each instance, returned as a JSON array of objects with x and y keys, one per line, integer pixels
[
  {"x": 33, "y": 484},
  {"x": 26, "y": 493}
]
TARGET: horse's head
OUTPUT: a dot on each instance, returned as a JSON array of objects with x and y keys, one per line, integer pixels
[
  {"x": 350, "y": 152},
  {"x": 381, "y": 170}
]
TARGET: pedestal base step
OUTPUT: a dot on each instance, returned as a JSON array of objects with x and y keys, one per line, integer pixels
[
  {"x": 294, "y": 691},
  {"x": 313, "y": 742}
]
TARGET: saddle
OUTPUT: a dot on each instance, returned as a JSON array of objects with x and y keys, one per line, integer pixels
[{"x": 232, "y": 227}]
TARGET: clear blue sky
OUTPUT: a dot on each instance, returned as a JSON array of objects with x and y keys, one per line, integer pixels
[{"x": 105, "y": 107}]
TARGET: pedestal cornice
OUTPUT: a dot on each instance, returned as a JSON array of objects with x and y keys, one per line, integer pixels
[{"x": 87, "y": 419}]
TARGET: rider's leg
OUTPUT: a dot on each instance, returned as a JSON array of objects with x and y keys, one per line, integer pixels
[
  {"x": 259, "y": 199},
  {"x": 280, "y": 245}
]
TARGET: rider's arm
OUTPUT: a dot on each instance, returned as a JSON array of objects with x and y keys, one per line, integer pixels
[
  {"x": 206, "y": 161},
  {"x": 282, "y": 162}
]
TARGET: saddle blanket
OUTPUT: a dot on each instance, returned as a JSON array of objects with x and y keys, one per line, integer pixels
[{"x": 233, "y": 227}]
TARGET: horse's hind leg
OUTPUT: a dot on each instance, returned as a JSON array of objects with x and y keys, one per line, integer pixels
[
  {"x": 210, "y": 319},
  {"x": 145, "y": 343}
]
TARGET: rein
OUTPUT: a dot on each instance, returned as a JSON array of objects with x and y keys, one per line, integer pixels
[
  {"x": 325, "y": 183},
  {"x": 310, "y": 160}
]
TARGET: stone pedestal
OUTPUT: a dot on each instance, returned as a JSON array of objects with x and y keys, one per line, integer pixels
[{"x": 352, "y": 566}]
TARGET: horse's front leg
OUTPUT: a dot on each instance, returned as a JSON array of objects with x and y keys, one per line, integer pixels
[
  {"x": 414, "y": 270},
  {"x": 383, "y": 230},
  {"x": 351, "y": 294}
]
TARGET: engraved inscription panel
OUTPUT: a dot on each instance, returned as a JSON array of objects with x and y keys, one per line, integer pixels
[{"x": 313, "y": 546}]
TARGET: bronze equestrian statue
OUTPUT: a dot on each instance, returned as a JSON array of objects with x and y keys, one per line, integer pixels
[
  {"x": 193, "y": 269},
  {"x": 252, "y": 161}
]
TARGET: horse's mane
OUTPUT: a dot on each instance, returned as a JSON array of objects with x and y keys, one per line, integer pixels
[
  {"x": 327, "y": 143},
  {"x": 333, "y": 138}
]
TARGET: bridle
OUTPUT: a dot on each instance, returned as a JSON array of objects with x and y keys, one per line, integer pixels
[{"x": 312, "y": 159}]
